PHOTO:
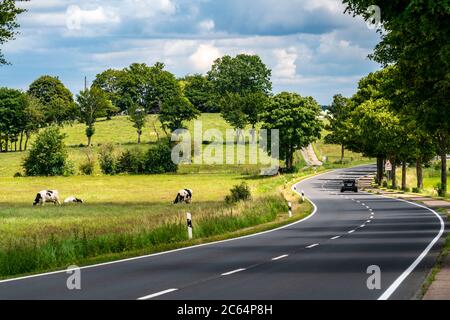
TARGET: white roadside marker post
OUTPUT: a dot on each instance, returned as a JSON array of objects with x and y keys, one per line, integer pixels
[
  {"x": 290, "y": 209},
  {"x": 303, "y": 196},
  {"x": 189, "y": 225}
]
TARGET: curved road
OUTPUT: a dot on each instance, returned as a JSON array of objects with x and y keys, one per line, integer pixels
[{"x": 323, "y": 257}]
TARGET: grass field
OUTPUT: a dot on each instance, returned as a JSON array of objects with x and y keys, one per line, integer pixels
[
  {"x": 130, "y": 215},
  {"x": 124, "y": 216},
  {"x": 431, "y": 178}
]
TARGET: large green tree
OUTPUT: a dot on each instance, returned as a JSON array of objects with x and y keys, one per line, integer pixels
[
  {"x": 297, "y": 119},
  {"x": 199, "y": 90},
  {"x": 417, "y": 41},
  {"x": 338, "y": 116},
  {"x": 109, "y": 82},
  {"x": 8, "y": 23},
  {"x": 58, "y": 102},
  {"x": 246, "y": 79},
  {"x": 175, "y": 112},
  {"x": 93, "y": 103}
]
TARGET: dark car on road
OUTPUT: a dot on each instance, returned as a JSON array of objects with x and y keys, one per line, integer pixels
[{"x": 349, "y": 185}]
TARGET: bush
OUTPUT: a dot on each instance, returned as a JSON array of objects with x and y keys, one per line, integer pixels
[
  {"x": 48, "y": 155},
  {"x": 108, "y": 159},
  {"x": 416, "y": 190},
  {"x": 385, "y": 184},
  {"x": 158, "y": 159},
  {"x": 239, "y": 193},
  {"x": 131, "y": 161},
  {"x": 88, "y": 166},
  {"x": 18, "y": 175}
]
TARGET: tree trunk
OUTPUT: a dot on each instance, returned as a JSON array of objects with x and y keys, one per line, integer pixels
[
  {"x": 139, "y": 136},
  {"x": 419, "y": 173},
  {"x": 444, "y": 173},
  {"x": 404, "y": 168},
  {"x": 21, "y": 140},
  {"x": 394, "y": 174},
  {"x": 15, "y": 145},
  {"x": 342, "y": 154},
  {"x": 380, "y": 170},
  {"x": 89, "y": 141},
  {"x": 6, "y": 143},
  {"x": 27, "y": 137}
]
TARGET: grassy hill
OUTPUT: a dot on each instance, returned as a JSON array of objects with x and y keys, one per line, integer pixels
[{"x": 120, "y": 131}]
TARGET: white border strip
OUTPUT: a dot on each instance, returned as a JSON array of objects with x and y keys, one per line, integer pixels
[
  {"x": 186, "y": 248},
  {"x": 390, "y": 291}
]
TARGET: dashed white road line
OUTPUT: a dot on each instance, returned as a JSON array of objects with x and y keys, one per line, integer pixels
[
  {"x": 335, "y": 238},
  {"x": 233, "y": 272},
  {"x": 154, "y": 295},
  {"x": 280, "y": 257},
  {"x": 312, "y": 246},
  {"x": 362, "y": 226},
  {"x": 352, "y": 231}
]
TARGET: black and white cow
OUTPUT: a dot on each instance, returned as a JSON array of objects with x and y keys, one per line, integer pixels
[
  {"x": 73, "y": 200},
  {"x": 184, "y": 196},
  {"x": 45, "y": 196}
]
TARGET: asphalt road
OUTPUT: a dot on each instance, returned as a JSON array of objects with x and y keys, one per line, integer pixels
[{"x": 323, "y": 257}]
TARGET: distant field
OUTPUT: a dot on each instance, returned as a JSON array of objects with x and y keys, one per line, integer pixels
[{"x": 120, "y": 131}]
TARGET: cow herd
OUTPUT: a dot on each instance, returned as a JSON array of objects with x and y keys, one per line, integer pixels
[{"x": 52, "y": 196}]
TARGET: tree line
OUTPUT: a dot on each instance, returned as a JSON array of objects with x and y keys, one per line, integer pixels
[
  {"x": 238, "y": 87},
  {"x": 401, "y": 113}
]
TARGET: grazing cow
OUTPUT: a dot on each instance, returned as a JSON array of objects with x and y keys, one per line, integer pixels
[
  {"x": 184, "y": 196},
  {"x": 73, "y": 200},
  {"x": 45, "y": 196}
]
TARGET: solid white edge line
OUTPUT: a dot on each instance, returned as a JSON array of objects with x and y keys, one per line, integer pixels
[
  {"x": 388, "y": 293},
  {"x": 154, "y": 295},
  {"x": 192, "y": 247},
  {"x": 280, "y": 257},
  {"x": 233, "y": 272}
]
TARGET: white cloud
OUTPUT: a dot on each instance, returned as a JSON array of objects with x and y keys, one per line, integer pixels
[
  {"x": 147, "y": 8},
  {"x": 203, "y": 58},
  {"x": 206, "y": 26},
  {"x": 285, "y": 63}
]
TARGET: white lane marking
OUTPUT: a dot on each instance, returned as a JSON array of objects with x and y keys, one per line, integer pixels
[
  {"x": 335, "y": 238},
  {"x": 280, "y": 257},
  {"x": 404, "y": 275},
  {"x": 233, "y": 272},
  {"x": 358, "y": 201},
  {"x": 368, "y": 221},
  {"x": 312, "y": 246},
  {"x": 363, "y": 204},
  {"x": 158, "y": 294},
  {"x": 371, "y": 210},
  {"x": 362, "y": 226},
  {"x": 350, "y": 232},
  {"x": 187, "y": 248}
]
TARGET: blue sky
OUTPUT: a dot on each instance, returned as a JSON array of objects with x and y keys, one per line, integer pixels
[{"x": 311, "y": 46}]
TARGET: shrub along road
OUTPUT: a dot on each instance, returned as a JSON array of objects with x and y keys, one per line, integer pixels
[{"x": 325, "y": 256}]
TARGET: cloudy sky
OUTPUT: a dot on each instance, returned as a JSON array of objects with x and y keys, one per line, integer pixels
[{"x": 311, "y": 46}]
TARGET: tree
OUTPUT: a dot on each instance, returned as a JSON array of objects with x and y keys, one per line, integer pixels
[
  {"x": 199, "y": 90},
  {"x": 338, "y": 116},
  {"x": 175, "y": 112},
  {"x": 420, "y": 52},
  {"x": 8, "y": 23},
  {"x": 34, "y": 114},
  {"x": 244, "y": 79},
  {"x": 59, "y": 106},
  {"x": 138, "y": 116},
  {"x": 109, "y": 82},
  {"x": 93, "y": 104},
  {"x": 48, "y": 155},
  {"x": 297, "y": 118},
  {"x": 143, "y": 91},
  {"x": 12, "y": 117}
]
